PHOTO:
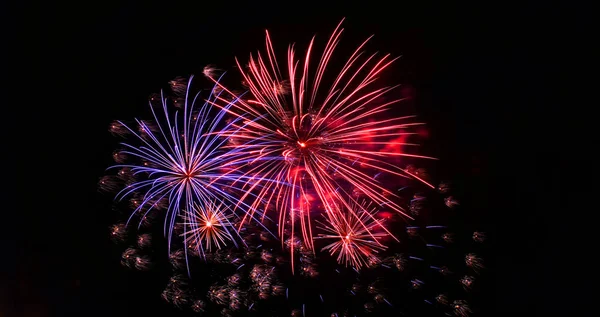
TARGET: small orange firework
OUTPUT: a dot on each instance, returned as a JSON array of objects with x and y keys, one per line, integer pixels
[{"x": 208, "y": 226}]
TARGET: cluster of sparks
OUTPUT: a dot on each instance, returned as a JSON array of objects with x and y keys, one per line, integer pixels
[
  {"x": 293, "y": 153},
  {"x": 248, "y": 279}
]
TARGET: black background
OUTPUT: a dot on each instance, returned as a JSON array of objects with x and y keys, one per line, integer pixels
[{"x": 489, "y": 80}]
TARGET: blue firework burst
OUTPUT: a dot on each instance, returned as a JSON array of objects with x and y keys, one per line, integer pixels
[{"x": 182, "y": 158}]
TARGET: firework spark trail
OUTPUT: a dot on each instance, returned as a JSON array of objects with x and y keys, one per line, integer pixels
[
  {"x": 312, "y": 140},
  {"x": 185, "y": 161}
]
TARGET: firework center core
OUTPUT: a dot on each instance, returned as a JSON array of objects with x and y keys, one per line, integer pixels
[{"x": 188, "y": 174}]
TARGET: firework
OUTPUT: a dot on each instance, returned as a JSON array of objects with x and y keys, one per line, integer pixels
[
  {"x": 144, "y": 240},
  {"x": 198, "y": 306},
  {"x": 211, "y": 71},
  {"x": 461, "y": 308},
  {"x": 355, "y": 234},
  {"x": 108, "y": 183},
  {"x": 448, "y": 237},
  {"x": 478, "y": 236},
  {"x": 128, "y": 257},
  {"x": 451, "y": 202},
  {"x": 218, "y": 294},
  {"x": 442, "y": 299},
  {"x": 177, "y": 259},
  {"x": 467, "y": 282},
  {"x": 117, "y": 129},
  {"x": 176, "y": 297},
  {"x": 207, "y": 226},
  {"x": 473, "y": 261},
  {"x": 133, "y": 259},
  {"x": 320, "y": 144},
  {"x": 118, "y": 232}
]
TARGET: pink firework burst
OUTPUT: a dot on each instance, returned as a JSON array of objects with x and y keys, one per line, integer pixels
[{"x": 321, "y": 145}]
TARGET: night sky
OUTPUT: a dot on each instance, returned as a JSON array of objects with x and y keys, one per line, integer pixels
[{"x": 478, "y": 78}]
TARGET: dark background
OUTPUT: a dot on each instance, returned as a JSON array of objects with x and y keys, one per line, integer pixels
[{"x": 484, "y": 78}]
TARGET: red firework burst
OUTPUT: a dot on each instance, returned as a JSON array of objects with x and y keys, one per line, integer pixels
[{"x": 316, "y": 146}]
